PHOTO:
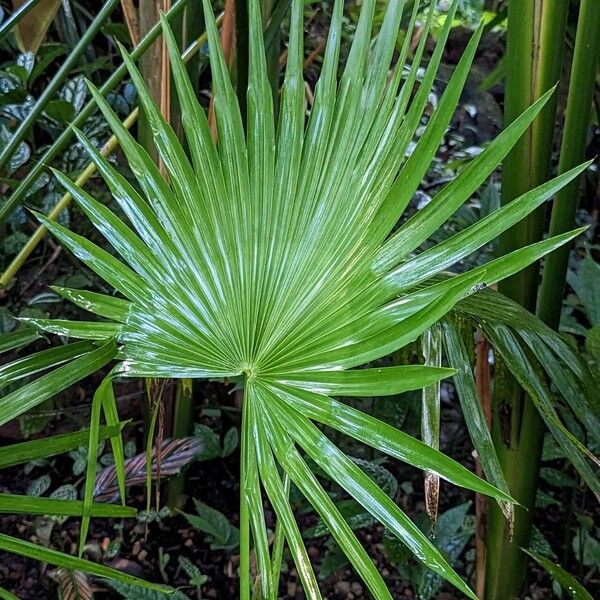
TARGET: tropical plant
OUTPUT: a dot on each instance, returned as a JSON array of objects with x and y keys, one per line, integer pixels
[
  {"x": 271, "y": 257},
  {"x": 534, "y": 63}
]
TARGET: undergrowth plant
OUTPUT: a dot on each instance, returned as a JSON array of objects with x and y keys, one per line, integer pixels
[{"x": 271, "y": 257}]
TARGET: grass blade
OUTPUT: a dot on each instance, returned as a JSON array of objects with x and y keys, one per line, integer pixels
[
  {"x": 564, "y": 579},
  {"x": 33, "y": 551}
]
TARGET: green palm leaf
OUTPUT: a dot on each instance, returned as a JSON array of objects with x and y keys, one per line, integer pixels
[
  {"x": 538, "y": 355},
  {"x": 264, "y": 256},
  {"x": 566, "y": 581}
]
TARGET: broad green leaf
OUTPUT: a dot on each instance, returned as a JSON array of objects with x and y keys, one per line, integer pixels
[
  {"x": 385, "y": 381},
  {"x": 131, "y": 591},
  {"x": 214, "y": 523}
]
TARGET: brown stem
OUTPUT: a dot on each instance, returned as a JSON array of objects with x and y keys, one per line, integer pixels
[{"x": 131, "y": 20}]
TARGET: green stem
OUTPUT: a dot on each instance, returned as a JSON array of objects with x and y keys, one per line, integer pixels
[
  {"x": 246, "y": 439},
  {"x": 518, "y": 438},
  {"x": 15, "y": 17},
  {"x": 182, "y": 425},
  {"x": 577, "y": 119},
  {"x": 65, "y": 137},
  {"x": 535, "y": 45},
  {"x": 19, "y": 135}
]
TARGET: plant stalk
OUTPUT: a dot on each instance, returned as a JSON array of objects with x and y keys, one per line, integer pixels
[
  {"x": 83, "y": 178},
  {"x": 577, "y": 120},
  {"x": 535, "y": 46},
  {"x": 182, "y": 425},
  {"x": 65, "y": 137},
  {"x": 246, "y": 439},
  {"x": 26, "y": 124}
]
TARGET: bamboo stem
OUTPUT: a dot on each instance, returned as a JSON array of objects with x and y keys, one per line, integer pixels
[
  {"x": 535, "y": 42},
  {"x": 577, "y": 119},
  {"x": 65, "y": 137},
  {"x": 131, "y": 20},
  {"x": 83, "y": 178},
  {"x": 182, "y": 424},
  {"x": 23, "y": 129}
]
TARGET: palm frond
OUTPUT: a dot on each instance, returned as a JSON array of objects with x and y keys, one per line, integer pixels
[
  {"x": 555, "y": 376},
  {"x": 269, "y": 255}
]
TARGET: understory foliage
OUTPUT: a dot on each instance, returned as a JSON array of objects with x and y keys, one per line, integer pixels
[{"x": 272, "y": 257}]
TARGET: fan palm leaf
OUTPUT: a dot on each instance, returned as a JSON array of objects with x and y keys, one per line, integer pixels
[{"x": 269, "y": 256}]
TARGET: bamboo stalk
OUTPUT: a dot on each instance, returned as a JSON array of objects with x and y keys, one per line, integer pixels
[
  {"x": 535, "y": 43},
  {"x": 16, "y": 16},
  {"x": 50, "y": 90},
  {"x": 65, "y": 137},
  {"x": 577, "y": 119},
  {"x": 83, "y": 178},
  {"x": 182, "y": 424}
]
